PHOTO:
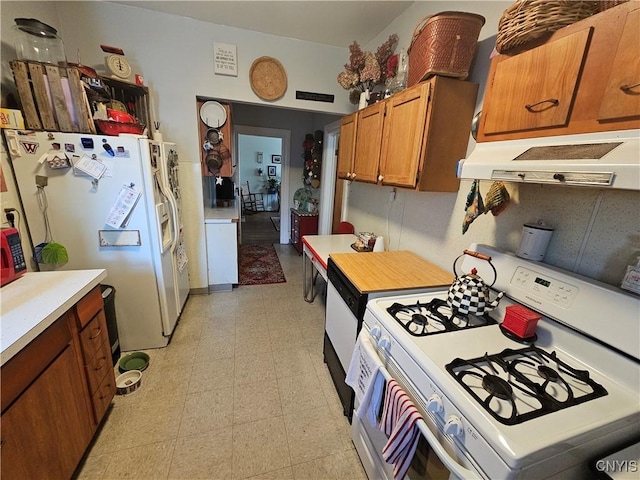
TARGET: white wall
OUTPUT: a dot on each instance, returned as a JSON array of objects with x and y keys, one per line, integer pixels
[
  {"x": 597, "y": 232},
  {"x": 174, "y": 55}
]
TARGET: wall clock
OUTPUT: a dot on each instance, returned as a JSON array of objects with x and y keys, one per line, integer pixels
[{"x": 118, "y": 66}]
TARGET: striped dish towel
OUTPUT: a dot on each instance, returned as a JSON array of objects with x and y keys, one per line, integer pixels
[{"x": 399, "y": 419}]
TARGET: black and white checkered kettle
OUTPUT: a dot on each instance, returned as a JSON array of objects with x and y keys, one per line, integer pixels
[{"x": 469, "y": 294}]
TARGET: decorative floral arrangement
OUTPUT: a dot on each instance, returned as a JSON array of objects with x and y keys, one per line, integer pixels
[{"x": 366, "y": 70}]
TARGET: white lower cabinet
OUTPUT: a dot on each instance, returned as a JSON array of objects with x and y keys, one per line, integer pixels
[{"x": 222, "y": 255}]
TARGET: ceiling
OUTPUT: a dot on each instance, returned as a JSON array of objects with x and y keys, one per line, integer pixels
[{"x": 335, "y": 22}]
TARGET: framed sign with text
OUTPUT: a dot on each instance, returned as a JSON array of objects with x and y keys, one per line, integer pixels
[{"x": 225, "y": 59}]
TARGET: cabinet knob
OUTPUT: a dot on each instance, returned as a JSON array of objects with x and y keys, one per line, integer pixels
[
  {"x": 353, "y": 175},
  {"x": 380, "y": 178},
  {"x": 102, "y": 363},
  {"x": 96, "y": 335}
]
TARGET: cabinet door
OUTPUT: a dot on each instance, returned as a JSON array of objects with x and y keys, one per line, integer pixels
[
  {"x": 404, "y": 128},
  {"x": 622, "y": 95},
  {"x": 222, "y": 253},
  {"x": 368, "y": 143},
  {"x": 45, "y": 432},
  {"x": 347, "y": 147},
  {"x": 536, "y": 88}
]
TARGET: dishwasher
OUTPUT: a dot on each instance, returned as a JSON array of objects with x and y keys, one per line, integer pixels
[
  {"x": 344, "y": 314},
  {"x": 343, "y": 321}
]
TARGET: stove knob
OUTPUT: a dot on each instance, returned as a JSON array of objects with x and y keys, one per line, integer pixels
[
  {"x": 453, "y": 426},
  {"x": 375, "y": 332},
  {"x": 384, "y": 343},
  {"x": 434, "y": 404}
]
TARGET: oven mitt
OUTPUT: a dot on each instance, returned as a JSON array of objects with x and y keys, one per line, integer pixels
[
  {"x": 497, "y": 199},
  {"x": 474, "y": 206}
]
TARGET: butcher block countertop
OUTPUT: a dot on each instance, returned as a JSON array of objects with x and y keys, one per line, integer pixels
[{"x": 397, "y": 270}]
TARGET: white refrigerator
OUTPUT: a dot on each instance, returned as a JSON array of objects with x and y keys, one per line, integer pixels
[{"x": 113, "y": 203}]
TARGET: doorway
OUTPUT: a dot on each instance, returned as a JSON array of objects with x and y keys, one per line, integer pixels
[{"x": 262, "y": 165}]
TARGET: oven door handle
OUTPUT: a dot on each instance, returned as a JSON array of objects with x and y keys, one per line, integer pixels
[{"x": 454, "y": 467}]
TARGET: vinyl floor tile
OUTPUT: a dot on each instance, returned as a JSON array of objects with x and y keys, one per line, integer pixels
[{"x": 240, "y": 392}]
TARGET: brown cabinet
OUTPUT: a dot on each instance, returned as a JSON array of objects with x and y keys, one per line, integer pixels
[
  {"x": 539, "y": 87},
  {"x": 621, "y": 98},
  {"x": 347, "y": 146},
  {"x": 366, "y": 163},
  {"x": 55, "y": 392},
  {"x": 47, "y": 426},
  {"x": 96, "y": 351},
  {"x": 302, "y": 223},
  {"x": 583, "y": 78},
  {"x": 412, "y": 139}
]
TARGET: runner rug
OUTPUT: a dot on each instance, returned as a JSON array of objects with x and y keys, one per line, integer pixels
[{"x": 259, "y": 265}]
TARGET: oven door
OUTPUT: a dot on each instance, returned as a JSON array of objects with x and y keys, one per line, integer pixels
[{"x": 438, "y": 456}]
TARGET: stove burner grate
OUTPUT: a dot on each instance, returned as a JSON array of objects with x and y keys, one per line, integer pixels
[
  {"x": 518, "y": 385},
  {"x": 436, "y": 316}
]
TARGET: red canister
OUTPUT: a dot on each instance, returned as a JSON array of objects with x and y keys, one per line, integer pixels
[{"x": 520, "y": 321}]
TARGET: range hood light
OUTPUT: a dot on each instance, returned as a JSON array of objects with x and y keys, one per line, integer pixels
[{"x": 602, "y": 179}]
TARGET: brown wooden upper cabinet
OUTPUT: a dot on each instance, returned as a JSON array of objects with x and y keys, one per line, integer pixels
[
  {"x": 537, "y": 90},
  {"x": 412, "y": 139},
  {"x": 347, "y": 145},
  {"x": 584, "y": 78},
  {"x": 621, "y": 97}
]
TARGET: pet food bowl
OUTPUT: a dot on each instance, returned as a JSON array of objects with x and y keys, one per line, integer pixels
[
  {"x": 128, "y": 382},
  {"x": 134, "y": 361}
]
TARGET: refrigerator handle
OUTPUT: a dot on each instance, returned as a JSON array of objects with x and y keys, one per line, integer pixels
[{"x": 175, "y": 220}]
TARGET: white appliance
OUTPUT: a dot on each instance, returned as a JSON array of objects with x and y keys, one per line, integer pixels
[
  {"x": 178, "y": 249},
  {"x": 495, "y": 406},
  {"x": 607, "y": 159},
  {"x": 144, "y": 255}
]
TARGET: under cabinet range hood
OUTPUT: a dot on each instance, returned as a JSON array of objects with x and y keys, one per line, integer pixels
[{"x": 605, "y": 159}]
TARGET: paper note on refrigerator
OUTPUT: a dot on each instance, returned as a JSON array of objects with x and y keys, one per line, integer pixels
[
  {"x": 121, "y": 210},
  {"x": 91, "y": 166}
]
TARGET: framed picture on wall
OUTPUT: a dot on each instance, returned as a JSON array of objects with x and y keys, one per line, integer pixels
[
  {"x": 271, "y": 170},
  {"x": 276, "y": 159}
]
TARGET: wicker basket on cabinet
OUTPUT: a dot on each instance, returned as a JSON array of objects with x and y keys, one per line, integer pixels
[
  {"x": 527, "y": 20},
  {"x": 443, "y": 44}
]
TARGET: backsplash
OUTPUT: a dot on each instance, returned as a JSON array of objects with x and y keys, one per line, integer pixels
[{"x": 597, "y": 232}]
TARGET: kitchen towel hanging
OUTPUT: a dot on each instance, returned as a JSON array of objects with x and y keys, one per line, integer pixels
[
  {"x": 366, "y": 379},
  {"x": 474, "y": 206},
  {"x": 399, "y": 423}
]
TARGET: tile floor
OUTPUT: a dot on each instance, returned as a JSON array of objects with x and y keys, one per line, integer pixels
[{"x": 240, "y": 392}]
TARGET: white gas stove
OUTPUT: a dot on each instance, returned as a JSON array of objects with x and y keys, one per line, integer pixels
[{"x": 506, "y": 408}]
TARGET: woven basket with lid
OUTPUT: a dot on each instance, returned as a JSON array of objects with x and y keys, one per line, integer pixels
[
  {"x": 443, "y": 44},
  {"x": 527, "y": 20}
]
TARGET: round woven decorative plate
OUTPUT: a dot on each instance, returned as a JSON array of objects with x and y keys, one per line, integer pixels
[{"x": 268, "y": 78}]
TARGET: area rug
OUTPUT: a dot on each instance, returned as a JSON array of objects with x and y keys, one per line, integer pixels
[
  {"x": 276, "y": 223},
  {"x": 259, "y": 265}
]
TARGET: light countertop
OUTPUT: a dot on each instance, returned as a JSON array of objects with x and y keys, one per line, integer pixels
[
  {"x": 221, "y": 215},
  {"x": 36, "y": 300},
  {"x": 320, "y": 246}
]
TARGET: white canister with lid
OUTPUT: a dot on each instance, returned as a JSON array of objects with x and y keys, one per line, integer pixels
[{"x": 535, "y": 240}]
